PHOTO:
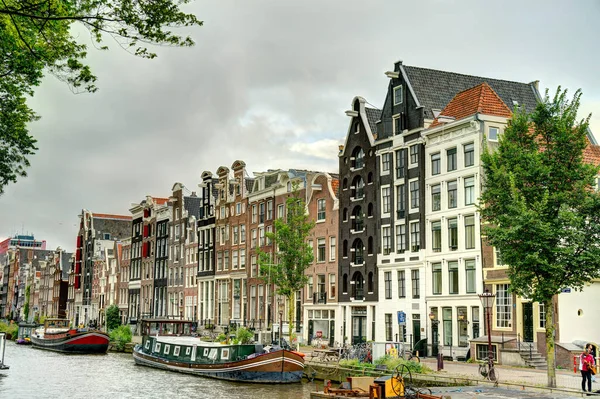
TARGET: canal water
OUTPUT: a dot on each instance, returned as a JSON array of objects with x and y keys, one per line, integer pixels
[{"x": 37, "y": 373}]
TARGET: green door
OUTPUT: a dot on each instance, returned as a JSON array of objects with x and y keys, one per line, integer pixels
[{"x": 528, "y": 322}]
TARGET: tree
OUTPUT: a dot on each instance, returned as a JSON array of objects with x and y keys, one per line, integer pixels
[
  {"x": 26, "y": 306},
  {"x": 113, "y": 319},
  {"x": 36, "y": 37},
  {"x": 293, "y": 254},
  {"x": 540, "y": 208}
]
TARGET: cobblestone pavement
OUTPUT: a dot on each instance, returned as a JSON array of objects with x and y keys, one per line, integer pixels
[
  {"x": 499, "y": 393},
  {"x": 526, "y": 377}
]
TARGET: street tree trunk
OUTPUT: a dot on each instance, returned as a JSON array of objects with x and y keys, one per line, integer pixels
[
  {"x": 550, "y": 355},
  {"x": 291, "y": 312}
]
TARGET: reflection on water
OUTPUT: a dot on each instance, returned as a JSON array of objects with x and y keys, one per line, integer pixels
[{"x": 44, "y": 374}]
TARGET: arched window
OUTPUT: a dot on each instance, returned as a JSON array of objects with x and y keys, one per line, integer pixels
[
  {"x": 344, "y": 183},
  {"x": 357, "y": 219},
  {"x": 358, "y": 187},
  {"x": 345, "y": 215},
  {"x": 345, "y": 284},
  {"x": 370, "y": 210},
  {"x": 358, "y": 287},
  {"x": 370, "y": 178},
  {"x": 370, "y": 246},
  {"x": 358, "y": 156},
  {"x": 358, "y": 257},
  {"x": 370, "y": 283},
  {"x": 345, "y": 249},
  {"x": 357, "y": 127}
]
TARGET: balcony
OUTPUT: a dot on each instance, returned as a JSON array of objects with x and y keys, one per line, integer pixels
[{"x": 320, "y": 298}]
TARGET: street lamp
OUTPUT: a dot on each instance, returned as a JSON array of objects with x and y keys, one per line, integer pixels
[
  {"x": 487, "y": 301},
  {"x": 434, "y": 323}
]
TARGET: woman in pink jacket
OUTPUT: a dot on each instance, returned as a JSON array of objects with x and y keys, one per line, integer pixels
[{"x": 586, "y": 360}]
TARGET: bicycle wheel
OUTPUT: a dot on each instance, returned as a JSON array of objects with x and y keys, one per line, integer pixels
[
  {"x": 414, "y": 358},
  {"x": 483, "y": 370},
  {"x": 493, "y": 374}
]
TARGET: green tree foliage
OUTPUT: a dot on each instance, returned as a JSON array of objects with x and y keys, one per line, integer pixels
[
  {"x": 26, "y": 306},
  {"x": 120, "y": 337},
  {"x": 244, "y": 336},
  {"x": 36, "y": 37},
  {"x": 541, "y": 209},
  {"x": 113, "y": 319},
  {"x": 293, "y": 255}
]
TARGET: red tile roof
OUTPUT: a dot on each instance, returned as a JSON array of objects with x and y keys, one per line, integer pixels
[
  {"x": 591, "y": 153},
  {"x": 160, "y": 201},
  {"x": 479, "y": 99},
  {"x": 109, "y": 216}
]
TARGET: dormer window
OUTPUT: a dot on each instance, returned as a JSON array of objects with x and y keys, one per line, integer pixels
[
  {"x": 356, "y": 128},
  {"x": 398, "y": 95}
]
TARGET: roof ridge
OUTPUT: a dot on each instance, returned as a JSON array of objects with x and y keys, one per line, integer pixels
[{"x": 472, "y": 76}]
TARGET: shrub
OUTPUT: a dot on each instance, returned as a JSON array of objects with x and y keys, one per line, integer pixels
[
  {"x": 390, "y": 362},
  {"x": 11, "y": 330},
  {"x": 113, "y": 319},
  {"x": 221, "y": 338},
  {"x": 120, "y": 337},
  {"x": 244, "y": 336}
]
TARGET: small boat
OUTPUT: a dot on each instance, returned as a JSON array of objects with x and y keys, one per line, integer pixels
[
  {"x": 56, "y": 335},
  {"x": 24, "y": 334},
  {"x": 169, "y": 345},
  {"x": 2, "y": 347}
]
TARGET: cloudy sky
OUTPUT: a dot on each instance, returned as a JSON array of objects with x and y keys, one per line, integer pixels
[{"x": 268, "y": 83}]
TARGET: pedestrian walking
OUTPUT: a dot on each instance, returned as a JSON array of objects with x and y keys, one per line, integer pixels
[{"x": 586, "y": 366}]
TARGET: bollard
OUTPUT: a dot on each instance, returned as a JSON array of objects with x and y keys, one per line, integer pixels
[{"x": 575, "y": 364}]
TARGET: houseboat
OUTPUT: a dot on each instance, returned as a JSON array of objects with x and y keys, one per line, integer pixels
[
  {"x": 56, "y": 335},
  {"x": 170, "y": 345},
  {"x": 24, "y": 333}
]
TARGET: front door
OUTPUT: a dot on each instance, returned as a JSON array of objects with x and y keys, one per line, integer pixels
[
  {"x": 435, "y": 338},
  {"x": 528, "y": 322},
  {"x": 311, "y": 330},
  {"x": 331, "y": 333},
  {"x": 416, "y": 335},
  {"x": 359, "y": 329}
]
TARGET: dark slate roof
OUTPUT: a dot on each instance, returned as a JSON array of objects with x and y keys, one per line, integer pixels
[
  {"x": 373, "y": 115},
  {"x": 249, "y": 183},
  {"x": 192, "y": 205},
  {"x": 434, "y": 89}
]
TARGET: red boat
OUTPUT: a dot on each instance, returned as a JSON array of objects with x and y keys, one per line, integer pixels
[{"x": 59, "y": 337}]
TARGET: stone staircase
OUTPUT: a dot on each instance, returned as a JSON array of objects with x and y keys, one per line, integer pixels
[{"x": 530, "y": 355}]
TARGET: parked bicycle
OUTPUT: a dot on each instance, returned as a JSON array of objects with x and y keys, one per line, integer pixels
[{"x": 488, "y": 371}]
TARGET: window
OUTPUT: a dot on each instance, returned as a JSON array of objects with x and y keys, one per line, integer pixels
[
  {"x": 310, "y": 286},
  {"x": 470, "y": 272},
  {"x": 416, "y": 289},
  {"x": 280, "y": 211},
  {"x": 398, "y": 95},
  {"x": 254, "y": 213},
  {"x": 493, "y": 134},
  {"x": 414, "y": 154},
  {"x": 437, "y": 278},
  {"x": 242, "y": 258},
  {"x": 321, "y": 209},
  {"x": 234, "y": 260},
  {"x": 253, "y": 266},
  {"x": 453, "y": 234},
  {"x": 261, "y": 212},
  {"x": 400, "y": 238},
  {"x": 321, "y": 250},
  {"x": 447, "y": 317},
  {"x": 357, "y": 219},
  {"x": 219, "y": 260},
  {"x": 396, "y": 124},
  {"x": 242, "y": 233},
  {"x": 542, "y": 310},
  {"x": 482, "y": 352},
  {"x": 332, "y": 286},
  {"x": 451, "y": 159},
  {"x": 469, "y": 190},
  {"x": 387, "y": 240},
  {"x": 358, "y": 253},
  {"x": 499, "y": 261},
  {"x": 475, "y": 321},
  {"x": 414, "y": 194},
  {"x": 321, "y": 285},
  {"x": 436, "y": 236},
  {"x": 503, "y": 306},
  {"x": 388, "y": 285},
  {"x": 415, "y": 237},
  {"x": 386, "y": 160},
  {"x": 452, "y": 200},
  {"x": 470, "y": 232},
  {"x": 401, "y": 284},
  {"x": 253, "y": 242},
  {"x": 235, "y": 234},
  {"x": 436, "y": 197},
  {"x": 388, "y": 326},
  {"x": 358, "y": 158},
  {"x": 435, "y": 164},
  {"x": 238, "y": 208},
  {"x": 469, "y": 154},
  {"x": 226, "y": 262},
  {"x": 385, "y": 196},
  {"x": 358, "y": 188},
  {"x": 401, "y": 200},
  {"x": 453, "y": 277},
  {"x": 400, "y": 164}
]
